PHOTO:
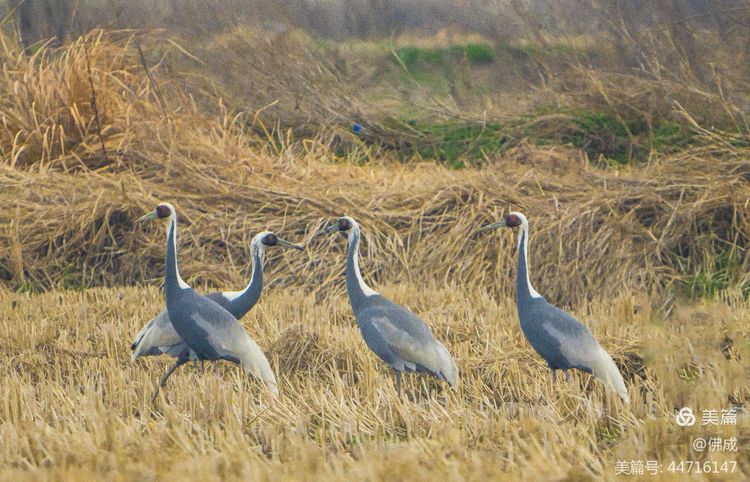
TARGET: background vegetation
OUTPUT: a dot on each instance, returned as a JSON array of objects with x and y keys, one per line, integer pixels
[{"x": 620, "y": 130}]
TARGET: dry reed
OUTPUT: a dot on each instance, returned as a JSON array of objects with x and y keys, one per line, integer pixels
[{"x": 594, "y": 231}]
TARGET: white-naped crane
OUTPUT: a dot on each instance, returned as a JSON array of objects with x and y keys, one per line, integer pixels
[
  {"x": 564, "y": 342},
  {"x": 392, "y": 332},
  {"x": 208, "y": 330}
]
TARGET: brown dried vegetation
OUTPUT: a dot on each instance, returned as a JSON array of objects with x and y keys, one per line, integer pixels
[{"x": 74, "y": 174}]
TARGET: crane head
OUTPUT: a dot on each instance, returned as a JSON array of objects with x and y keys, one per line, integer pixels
[
  {"x": 163, "y": 211},
  {"x": 342, "y": 225},
  {"x": 268, "y": 238},
  {"x": 510, "y": 220}
]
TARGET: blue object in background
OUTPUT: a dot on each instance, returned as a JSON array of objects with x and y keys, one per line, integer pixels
[{"x": 357, "y": 128}]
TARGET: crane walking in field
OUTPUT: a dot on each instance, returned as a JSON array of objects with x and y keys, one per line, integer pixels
[
  {"x": 159, "y": 336},
  {"x": 394, "y": 333},
  {"x": 560, "y": 339},
  {"x": 209, "y": 331}
]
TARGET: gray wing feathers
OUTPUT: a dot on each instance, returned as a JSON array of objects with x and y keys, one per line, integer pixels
[
  {"x": 158, "y": 337},
  {"x": 229, "y": 338},
  {"x": 581, "y": 349},
  {"x": 411, "y": 342},
  {"x": 447, "y": 365},
  {"x": 225, "y": 335},
  {"x": 219, "y": 299}
]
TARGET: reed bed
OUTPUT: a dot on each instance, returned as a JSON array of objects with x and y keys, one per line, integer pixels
[{"x": 74, "y": 178}]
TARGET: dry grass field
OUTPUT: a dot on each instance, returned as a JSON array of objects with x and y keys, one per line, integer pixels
[
  {"x": 643, "y": 239},
  {"x": 75, "y": 407}
]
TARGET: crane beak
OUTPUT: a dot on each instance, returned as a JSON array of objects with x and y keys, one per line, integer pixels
[
  {"x": 286, "y": 244},
  {"x": 147, "y": 216},
  {"x": 330, "y": 229},
  {"x": 489, "y": 227}
]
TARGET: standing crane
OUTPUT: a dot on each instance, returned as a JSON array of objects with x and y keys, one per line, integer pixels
[
  {"x": 560, "y": 339},
  {"x": 392, "y": 332},
  {"x": 209, "y": 331},
  {"x": 159, "y": 336}
]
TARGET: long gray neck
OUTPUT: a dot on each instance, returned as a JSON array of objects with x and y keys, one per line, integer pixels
[
  {"x": 242, "y": 301},
  {"x": 355, "y": 285},
  {"x": 524, "y": 291},
  {"x": 173, "y": 283}
]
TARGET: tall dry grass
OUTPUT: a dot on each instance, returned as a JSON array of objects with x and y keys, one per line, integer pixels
[{"x": 74, "y": 185}]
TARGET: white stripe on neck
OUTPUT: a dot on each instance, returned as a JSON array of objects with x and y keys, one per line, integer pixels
[
  {"x": 354, "y": 244},
  {"x": 233, "y": 295},
  {"x": 173, "y": 225},
  {"x": 524, "y": 235},
  {"x": 257, "y": 254}
]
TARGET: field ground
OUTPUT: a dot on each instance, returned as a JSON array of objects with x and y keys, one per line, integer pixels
[
  {"x": 76, "y": 407},
  {"x": 626, "y": 146}
]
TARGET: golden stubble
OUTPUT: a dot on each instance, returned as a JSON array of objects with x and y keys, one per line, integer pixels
[{"x": 76, "y": 406}]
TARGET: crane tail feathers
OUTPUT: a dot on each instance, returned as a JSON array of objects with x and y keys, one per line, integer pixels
[
  {"x": 264, "y": 373},
  {"x": 606, "y": 370},
  {"x": 135, "y": 347},
  {"x": 156, "y": 338},
  {"x": 448, "y": 369},
  {"x": 255, "y": 364}
]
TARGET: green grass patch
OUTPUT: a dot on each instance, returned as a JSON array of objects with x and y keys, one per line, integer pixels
[
  {"x": 458, "y": 143},
  {"x": 668, "y": 135},
  {"x": 464, "y": 143},
  {"x": 716, "y": 273},
  {"x": 599, "y": 134},
  {"x": 417, "y": 58},
  {"x": 619, "y": 140},
  {"x": 475, "y": 53}
]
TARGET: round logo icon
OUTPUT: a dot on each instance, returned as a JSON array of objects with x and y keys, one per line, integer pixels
[{"x": 685, "y": 417}]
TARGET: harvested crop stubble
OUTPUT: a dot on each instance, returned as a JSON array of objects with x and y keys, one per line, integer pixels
[{"x": 76, "y": 407}]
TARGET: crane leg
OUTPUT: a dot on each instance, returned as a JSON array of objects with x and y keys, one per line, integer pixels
[
  {"x": 554, "y": 376},
  {"x": 398, "y": 383},
  {"x": 568, "y": 378},
  {"x": 180, "y": 361},
  {"x": 202, "y": 368}
]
